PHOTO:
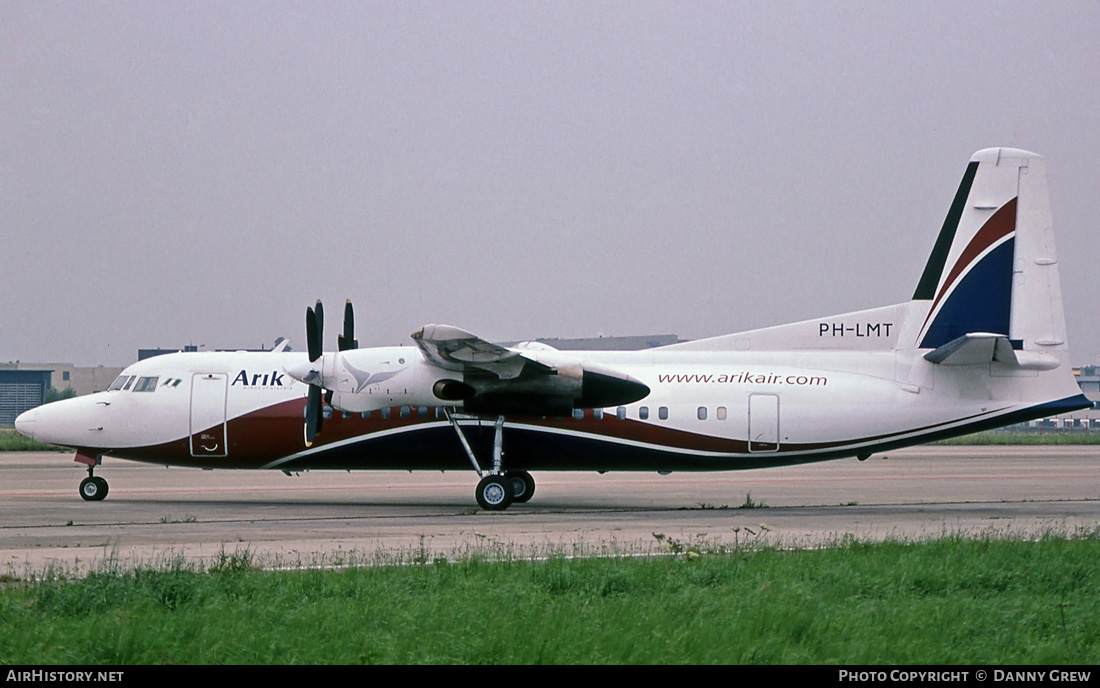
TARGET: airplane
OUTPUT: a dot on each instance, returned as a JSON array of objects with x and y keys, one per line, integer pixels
[{"x": 981, "y": 344}]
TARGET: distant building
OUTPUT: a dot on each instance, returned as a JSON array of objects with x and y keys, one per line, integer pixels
[
  {"x": 83, "y": 379},
  {"x": 21, "y": 390},
  {"x": 1088, "y": 378},
  {"x": 149, "y": 353},
  {"x": 629, "y": 343}
]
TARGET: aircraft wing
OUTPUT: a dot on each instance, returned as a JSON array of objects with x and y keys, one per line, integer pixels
[
  {"x": 456, "y": 349},
  {"x": 498, "y": 380}
]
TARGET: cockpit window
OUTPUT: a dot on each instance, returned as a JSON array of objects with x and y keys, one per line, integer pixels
[
  {"x": 146, "y": 384},
  {"x": 121, "y": 382}
]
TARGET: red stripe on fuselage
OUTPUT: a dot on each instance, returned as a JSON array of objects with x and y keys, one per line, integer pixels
[{"x": 267, "y": 435}]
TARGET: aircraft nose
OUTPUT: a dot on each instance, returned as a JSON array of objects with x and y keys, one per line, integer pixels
[{"x": 24, "y": 423}]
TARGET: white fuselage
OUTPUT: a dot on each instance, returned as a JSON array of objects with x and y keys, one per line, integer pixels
[{"x": 717, "y": 410}]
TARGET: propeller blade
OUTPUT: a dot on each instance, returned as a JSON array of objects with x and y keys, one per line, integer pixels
[
  {"x": 347, "y": 337},
  {"x": 320, "y": 311},
  {"x": 313, "y": 335},
  {"x": 313, "y": 414}
]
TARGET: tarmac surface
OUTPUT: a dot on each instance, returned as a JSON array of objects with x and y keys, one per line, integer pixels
[{"x": 154, "y": 515}]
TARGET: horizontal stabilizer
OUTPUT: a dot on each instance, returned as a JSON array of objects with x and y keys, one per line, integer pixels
[{"x": 983, "y": 348}]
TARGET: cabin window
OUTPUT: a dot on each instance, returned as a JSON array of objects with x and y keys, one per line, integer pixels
[
  {"x": 386, "y": 413},
  {"x": 422, "y": 411},
  {"x": 643, "y": 412},
  {"x": 662, "y": 413},
  {"x": 365, "y": 415},
  {"x": 702, "y": 413},
  {"x": 326, "y": 412},
  {"x": 620, "y": 413},
  {"x": 146, "y": 384},
  {"x": 440, "y": 414},
  {"x": 345, "y": 414},
  {"x": 578, "y": 414},
  {"x": 720, "y": 414},
  {"x": 597, "y": 414},
  {"x": 405, "y": 411}
]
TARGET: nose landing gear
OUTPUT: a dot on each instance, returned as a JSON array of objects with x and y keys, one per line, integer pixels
[{"x": 93, "y": 489}]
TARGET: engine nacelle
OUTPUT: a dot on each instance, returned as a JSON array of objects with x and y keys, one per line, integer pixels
[
  {"x": 369, "y": 379},
  {"x": 556, "y": 394}
]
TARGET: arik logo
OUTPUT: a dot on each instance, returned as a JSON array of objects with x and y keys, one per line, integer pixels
[{"x": 272, "y": 379}]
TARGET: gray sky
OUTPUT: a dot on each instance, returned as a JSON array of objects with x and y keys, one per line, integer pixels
[{"x": 200, "y": 172}]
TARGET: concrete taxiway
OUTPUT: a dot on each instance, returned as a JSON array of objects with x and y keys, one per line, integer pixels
[{"x": 155, "y": 514}]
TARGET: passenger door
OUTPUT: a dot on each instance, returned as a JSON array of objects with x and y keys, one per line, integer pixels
[
  {"x": 208, "y": 427},
  {"x": 763, "y": 423}
]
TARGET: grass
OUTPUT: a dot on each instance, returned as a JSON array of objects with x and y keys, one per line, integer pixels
[
  {"x": 10, "y": 440},
  {"x": 1003, "y": 437},
  {"x": 948, "y": 601}
]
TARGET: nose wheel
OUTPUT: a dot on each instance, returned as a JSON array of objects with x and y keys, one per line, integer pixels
[{"x": 93, "y": 489}]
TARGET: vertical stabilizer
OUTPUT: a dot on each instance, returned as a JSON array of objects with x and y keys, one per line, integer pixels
[
  {"x": 1038, "y": 318},
  {"x": 993, "y": 269}
]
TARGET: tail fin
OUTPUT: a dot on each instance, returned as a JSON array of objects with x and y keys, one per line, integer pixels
[
  {"x": 990, "y": 290},
  {"x": 993, "y": 268}
]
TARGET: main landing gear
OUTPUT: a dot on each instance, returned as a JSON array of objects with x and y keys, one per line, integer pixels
[
  {"x": 93, "y": 489},
  {"x": 498, "y": 492},
  {"x": 499, "y": 489}
]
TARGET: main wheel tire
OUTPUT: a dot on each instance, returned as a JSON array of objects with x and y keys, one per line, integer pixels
[
  {"x": 93, "y": 489},
  {"x": 523, "y": 486},
  {"x": 494, "y": 493}
]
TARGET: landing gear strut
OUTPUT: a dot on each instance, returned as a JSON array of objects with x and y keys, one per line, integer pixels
[
  {"x": 93, "y": 489},
  {"x": 497, "y": 490}
]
